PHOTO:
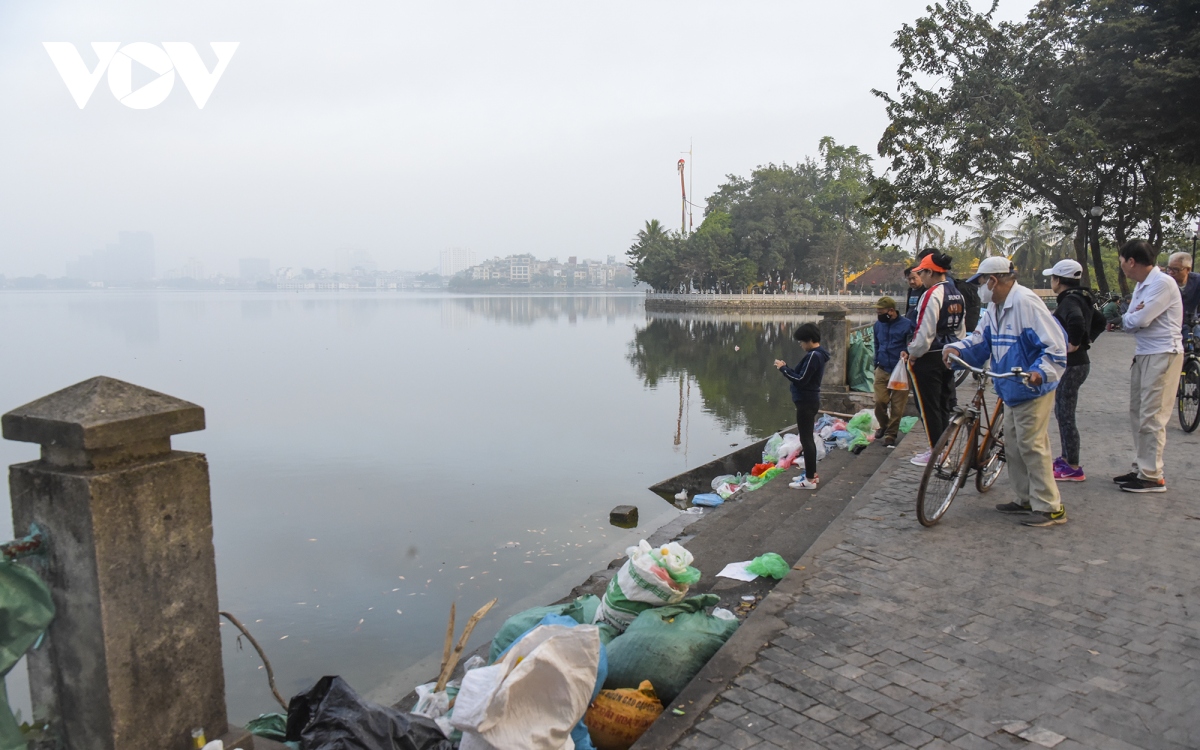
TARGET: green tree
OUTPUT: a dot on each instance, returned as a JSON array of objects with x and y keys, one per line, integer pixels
[
  {"x": 653, "y": 257},
  {"x": 1030, "y": 245},
  {"x": 988, "y": 234}
]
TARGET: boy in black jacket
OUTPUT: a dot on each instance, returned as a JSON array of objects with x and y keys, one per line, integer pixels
[
  {"x": 1074, "y": 312},
  {"x": 806, "y": 393}
]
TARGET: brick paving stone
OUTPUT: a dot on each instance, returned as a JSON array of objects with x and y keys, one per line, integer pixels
[{"x": 898, "y": 636}]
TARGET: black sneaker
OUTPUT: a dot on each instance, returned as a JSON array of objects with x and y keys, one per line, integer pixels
[
  {"x": 1044, "y": 518},
  {"x": 889, "y": 442},
  {"x": 1130, "y": 477},
  {"x": 879, "y": 433},
  {"x": 1144, "y": 485},
  {"x": 1014, "y": 508}
]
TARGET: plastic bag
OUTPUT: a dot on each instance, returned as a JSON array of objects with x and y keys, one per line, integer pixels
[
  {"x": 668, "y": 646},
  {"x": 331, "y": 716},
  {"x": 864, "y": 421},
  {"x": 898, "y": 381},
  {"x": 760, "y": 469},
  {"x": 582, "y": 610},
  {"x": 25, "y": 611},
  {"x": 907, "y": 423},
  {"x": 769, "y": 564},
  {"x": 439, "y": 706},
  {"x": 771, "y": 449},
  {"x": 617, "y": 718},
  {"x": 640, "y": 583},
  {"x": 708, "y": 499},
  {"x": 536, "y": 694},
  {"x": 269, "y": 726}
]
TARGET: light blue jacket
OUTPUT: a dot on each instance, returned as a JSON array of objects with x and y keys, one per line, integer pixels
[{"x": 1021, "y": 333}]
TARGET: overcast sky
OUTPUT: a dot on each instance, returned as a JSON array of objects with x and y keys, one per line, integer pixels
[{"x": 404, "y": 129}]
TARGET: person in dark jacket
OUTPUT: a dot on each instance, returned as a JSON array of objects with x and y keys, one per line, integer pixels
[
  {"x": 806, "y": 393},
  {"x": 892, "y": 334},
  {"x": 915, "y": 290},
  {"x": 1074, "y": 311}
]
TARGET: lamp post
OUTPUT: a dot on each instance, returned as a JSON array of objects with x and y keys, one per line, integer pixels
[{"x": 1195, "y": 233}]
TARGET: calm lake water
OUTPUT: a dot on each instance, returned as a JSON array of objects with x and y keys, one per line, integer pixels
[{"x": 375, "y": 458}]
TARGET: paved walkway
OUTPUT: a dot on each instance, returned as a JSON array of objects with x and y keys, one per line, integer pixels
[{"x": 981, "y": 633}]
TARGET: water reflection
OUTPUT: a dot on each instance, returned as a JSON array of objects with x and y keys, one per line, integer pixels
[{"x": 731, "y": 359}]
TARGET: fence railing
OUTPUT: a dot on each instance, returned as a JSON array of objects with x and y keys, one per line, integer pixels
[{"x": 857, "y": 296}]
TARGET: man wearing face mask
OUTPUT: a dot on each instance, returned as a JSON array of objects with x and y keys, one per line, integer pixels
[
  {"x": 939, "y": 322},
  {"x": 892, "y": 333},
  {"x": 1016, "y": 330}
]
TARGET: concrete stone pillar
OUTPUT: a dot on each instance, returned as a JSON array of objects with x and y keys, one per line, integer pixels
[
  {"x": 835, "y": 338},
  {"x": 133, "y": 657}
]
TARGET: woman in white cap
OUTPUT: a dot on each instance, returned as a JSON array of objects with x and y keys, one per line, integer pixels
[{"x": 1075, "y": 311}]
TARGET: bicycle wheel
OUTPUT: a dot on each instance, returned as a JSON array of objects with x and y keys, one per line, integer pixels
[
  {"x": 946, "y": 471},
  {"x": 1189, "y": 395},
  {"x": 991, "y": 458}
]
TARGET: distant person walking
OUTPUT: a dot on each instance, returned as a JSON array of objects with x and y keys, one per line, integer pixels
[
  {"x": 1074, "y": 311},
  {"x": 1017, "y": 330},
  {"x": 915, "y": 290},
  {"x": 939, "y": 322},
  {"x": 1155, "y": 318},
  {"x": 806, "y": 393},
  {"x": 892, "y": 334}
]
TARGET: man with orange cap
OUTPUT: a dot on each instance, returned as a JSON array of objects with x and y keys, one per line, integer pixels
[{"x": 940, "y": 321}]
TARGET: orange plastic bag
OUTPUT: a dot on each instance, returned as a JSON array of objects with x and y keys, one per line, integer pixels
[
  {"x": 760, "y": 469},
  {"x": 617, "y": 718}
]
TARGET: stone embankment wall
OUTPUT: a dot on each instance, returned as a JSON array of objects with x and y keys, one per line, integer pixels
[{"x": 758, "y": 302}]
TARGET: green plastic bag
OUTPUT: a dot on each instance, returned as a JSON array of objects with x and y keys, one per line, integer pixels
[
  {"x": 667, "y": 646},
  {"x": 769, "y": 564},
  {"x": 269, "y": 726},
  {"x": 582, "y": 611},
  {"x": 907, "y": 423},
  {"x": 26, "y": 610},
  {"x": 860, "y": 362}
]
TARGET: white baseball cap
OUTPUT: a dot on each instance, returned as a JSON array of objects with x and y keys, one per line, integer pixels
[
  {"x": 992, "y": 264},
  {"x": 1065, "y": 269}
]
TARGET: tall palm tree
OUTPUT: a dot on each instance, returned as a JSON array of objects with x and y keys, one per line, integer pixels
[
  {"x": 987, "y": 234},
  {"x": 1030, "y": 245}
]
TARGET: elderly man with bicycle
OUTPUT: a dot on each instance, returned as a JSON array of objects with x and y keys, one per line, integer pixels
[{"x": 1018, "y": 332}]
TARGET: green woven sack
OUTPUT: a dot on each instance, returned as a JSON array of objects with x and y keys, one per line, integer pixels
[
  {"x": 667, "y": 645},
  {"x": 582, "y": 611}
]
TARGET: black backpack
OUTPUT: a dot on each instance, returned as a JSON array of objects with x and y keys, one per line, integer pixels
[
  {"x": 970, "y": 293},
  {"x": 1094, "y": 309}
]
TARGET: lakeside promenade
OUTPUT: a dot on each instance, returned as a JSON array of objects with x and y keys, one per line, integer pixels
[{"x": 978, "y": 633}]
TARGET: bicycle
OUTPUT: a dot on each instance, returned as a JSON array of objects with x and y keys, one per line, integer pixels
[
  {"x": 1187, "y": 398},
  {"x": 973, "y": 440}
]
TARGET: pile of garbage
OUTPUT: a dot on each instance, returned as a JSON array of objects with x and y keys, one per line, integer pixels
[{"x": 591, "y": 674}]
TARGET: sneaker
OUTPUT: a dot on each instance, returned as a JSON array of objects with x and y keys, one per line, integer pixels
[
  {"x": 1124, "y": 478},
  {"x": 801, "y": 479},
  {"x": 1047, "y": 518},
  {"x": 803, "y": 485},
  {"x": 1065, "y": 473},
  {"x": 879, "y": 433},
  {"x": 1060, "y": 461},
  {"x": 889, "y": 442},
  {"x": 921, "y": 459},
  {"x": 1014, "y": 508},
  {"x": 1144, "y": 485}
]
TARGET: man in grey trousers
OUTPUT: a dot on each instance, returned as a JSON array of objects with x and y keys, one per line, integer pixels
[{"x": 1155, "y": 317}]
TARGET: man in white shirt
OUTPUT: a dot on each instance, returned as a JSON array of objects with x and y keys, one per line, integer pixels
[{"x": 1155, "y": 317}]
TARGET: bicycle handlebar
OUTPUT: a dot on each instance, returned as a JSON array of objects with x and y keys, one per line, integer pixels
[{"x": 1016, "y": 372}]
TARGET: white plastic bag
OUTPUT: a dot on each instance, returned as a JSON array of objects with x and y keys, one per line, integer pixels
[
  {"x": 899, "y": 378},
  {"x": 436, "y": 705},
  {"x": 642, "y": 583},
  {"x": 534, "y": 695}
]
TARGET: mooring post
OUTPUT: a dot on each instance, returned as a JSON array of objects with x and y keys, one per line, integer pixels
[
  {"x": 835, "y": 338},
  {"x": 133, "y": 656}
]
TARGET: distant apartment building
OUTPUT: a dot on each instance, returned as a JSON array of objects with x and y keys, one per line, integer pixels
[
  {"x": 130, "y": 260},
  {"x": 519, "y": 268},
  {"x": 254, "y": 269},
  {"x": 525, "y": 270},
  {"x": 455, "y": 259}
]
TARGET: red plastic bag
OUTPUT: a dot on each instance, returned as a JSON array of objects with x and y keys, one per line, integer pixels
[{"x": 760, "y": 469}]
